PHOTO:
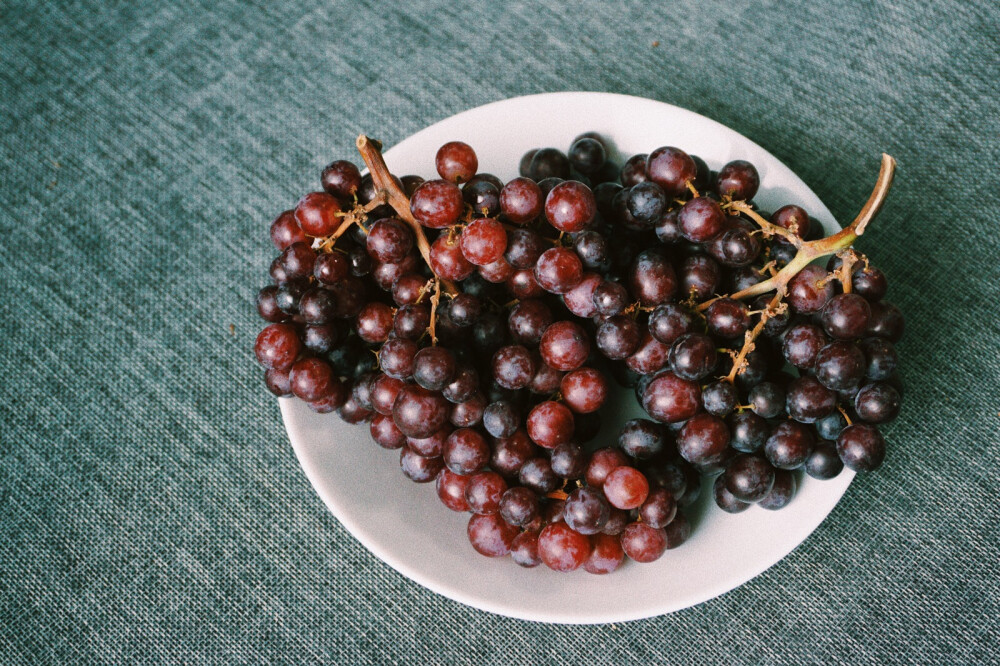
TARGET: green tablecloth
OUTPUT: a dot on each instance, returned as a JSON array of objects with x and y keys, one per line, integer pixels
[{"x": 151, "y": 509}]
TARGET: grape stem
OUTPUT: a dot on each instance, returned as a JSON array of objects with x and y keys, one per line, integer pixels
[
  {"x": 385, "y": 185},
  {"x": 768, "y": 228},
  {"x": 841, "y": 240},
  {"x": 351, "y": 217}
]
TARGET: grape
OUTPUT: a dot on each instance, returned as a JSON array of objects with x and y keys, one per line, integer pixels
[
  {"x": 558, "y": 270},
  {"x": 484, "y": 492},
  {"x": 528, "y": 320},
  {"x": 586, "y": 510},
  {"x": 524, "y": 550},
  {"x": 781, "y": 493},
  {"x": 522, "y": 285},
  {"x": 643, "y": 543},
  {"x": 419, "y": 412},
  {"x": 389, "y": 240},
  {"x": 646, "y": 202},
  {"x": 793, "y": 218},
  {"x": 468, "y": 413},
  {"x": 580, "y": 299},
  {"x": 584, "y": 390},
  {"x": 652, "y": 278},
  {"x": 789, "y": 445},
  {"x": 456, "y": 162},
  {"x": 385, "y": 433},
  {"x": 846, "y": 316},
  {"x": 669, "y": 322},
  {"x": 877, "y": 402},
  {"x": 824, "y": 463},
  {"x": 562, "y": 548},
  {"x": 411, "y": 321},
  {"x": 693, "y": 356},
  {"x": 602, "y": 463},
  {"x": 570, "y": 206},
  {"x": 536, "y": 473},
  {"x": 417, "y": 468},
  {"x": 703, "y": 439},
  {"x": 861, "y": 447},
  {"x": 737, "y": 247},
  {"x": 869, "y": 282},
  {"x": 500, "y": 419},
  {"x": 727, "y": 318},
  {"x": 521, "y": 200},
  {"x": 497, "y": 272},
  {"x": 383, "y": 393},
  {"x": 519, "y": 506},
  {"x": 737, "y": 179},
  {"x": 593, "y": 250},
  {"x": 642, "y": 438},
  {"x": 802, "y": 343},
  {"x": 514, "y": 367},
  {"x": 490, "y": 535},
  {"x": 298, "y": 260},
  {"x": 353, "y": 413},
  {"x": 277, "y": 346},
  {"x": 483, "y": 241},
  {"x": 564, "y": 346},
  {"x": 749, "y": 477},
  {"x": 767, "y": 399},
  {"x": 749, "y": 431},
  {"x": 671, "y": 399},
  {"x": 700, "y": 220},
  {"x": 606, "y": 554},
  {"x": 587, "y": 155},
  {"x": 840, "y": 365},
  {"x": 659, "y": 509},
  {"x": 568, "y": 460},
  {"x": 549, "y": 163},
  {"x": 618, "y": 337},
  {"x": 375, "y": 322},
  {"x": 829, "y": 426},
  {"x": 277, "y": 382},
  {"x": 465, "y": 451},
  {"x": 550, "y": 424},
  {"x": 320, "y": 338},
  {"x": 626, "y": 487},
  {"x": 881, "y": 357},
  {"x": 650, "y": 356},
  {"x": 672, "y": 169},
  {"x": 267, "y": 305},
  {"x": 316, "y": 214},
  {"x": 447, "y": 260},
  {"x": 677, "y": 532},
  {"x": 719, "y": 397},
  {"x": 286, "y": 231},
  {"x": 808, "y": 400},
  {"x": 725, "y": 500},
  {"x": 668, "y": 229},
  {"x": 511, "y": 453},
  {"x": 360, "y": 261},
  {"x": 546, "y": 380},
  {"x": 810, "y": 290},
  {"x": 633, "y": 171},
  {"x": 886, "y": 322},
  {"x": 609, "y": 298},
  {"x": 330, "y": 268},
  {"x": 524, "y": 165},
  {"x": 700, "y": 277},
  {"x": 434, "y": 368},
  {"x": 341, "y": 179},
  {"x": 437, "y": 204},
  {"x": 482, "y": 195},
  {"x": 451, "y": 490}
]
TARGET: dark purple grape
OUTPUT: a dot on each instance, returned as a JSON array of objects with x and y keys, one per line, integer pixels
[
  {"x": 719, "y": 397},
  {"x": 881, "y": 357},
  {"x": 794, "y": 218},
  {"x": 810, "y": 289},
  {"x": 652, "y": 278},
  {"x": 727, "y": 318},
  {"x": 861, "y": 447},
  {"x": 870, "y": 282},
  {"x": 570, "y": 206},
  {"x": 569, "y": 460},
  {"x": 693, "y": 356},
  {"x": 618, "y": 337},
  {"x": 846, "y": 316},
  {"x": 437, "y": 204},
  {"x": 587, "y": 155},
  {"x": 285, "y": 230},
  {"x": 647, "y": 202},
  {"x": 564, "y": 346},
  {"x": 749, "y": 477},
  {"x": 669, "y": 322},
  {"x": 558, "y": 270},
  {"x": 789, "y": 445},
  {"x": 808, "y": 400},
  {"x": 701, "y": 219},
  {"x": 886, "y": 322},
  {"x": 824, "y": 463},
  {"x": 703, "y": 439},
  {"x": 877, "y": 402},
  {"x": 737, "y": 179},
  {"x": 672, "y": 169},
  {"x": 767, "y": 400},
  {"x": 633, "y": 171},
  {"x": 586, "y": 510},
  {"x": 519, "y": 506},
  {"x": 610, "y": 298},
  {"x": 548, "y": 163},
  {"x": 749, "y": 431},
  {"x": 802, "y": 343},
  {"x": 419, "y": 412},
  {"x": 671, "y": 399},
  {"x": 642, "y": 438},
  {"x": 840, "y": 365},
  {"x": 700, "y": 277},
  {"x": 514, "y": 367},
  {"x": 537, "y": 474}
]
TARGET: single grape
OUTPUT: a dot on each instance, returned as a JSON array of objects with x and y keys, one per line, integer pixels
[
  {"x": 514, "y": 366},
  {"x": 881, "y": 357},
  {"x": 511, "y": 453},
  {"x": 693, "y": 356},
  {"x": 846, "y": 316},
  {"x": 558, "y": 270},
  {"x": 719, "y": 397},
  {"x": 642, "y": 438},
  {"x": 521, "y": 200},
  {"x": 701, "y": 219},
  {"x": 484, "y": 492},
  {"x": 570, "y": 206},
  {"x": 659, "y": 509},
  {"x": 419, "y": 412},
  {"x": 793, "y": 218},
  {"x": 646, "y": 202},
  {"x": 808, "y": 400},
  {"x": 672, "y": 169},
  {"x": 330, "y": 267},
  {"x": 580, "y": 299},
  {"x": 417, "y": 468},
  {"x": 618, "y": 337},
  {"x": 886, "y": 322},
  {"x": 285, "y": 230},
  {"x": 437, "y": 204},
  {"x": 671, "y": 399},
  {"x": 564, "y": 346},
  {"x": 749, "y": 431},
  {"x": 550, "y": 424},
  {"x": 451, "y": 490},
  {"x": 430, "y": 446},
  {"x": 491, "y": 535},
  {"x": 586, "y": 510},
  {"x": 524, "y": 550},
  {"x": 584, "y": 390},
  {"x": 483, "y": 241},
  {"x": 389, "y": 240},
  {"x": 606, "y": 554},
  {"x": 810, "y": 289},
  {"x": 652, "y": 278},
  {"x": 700, "y": 277},
  {"x": 789, "y": 445},
  {"x": 643, "y": 543},
  {"x": 385, "y": 433},
  {"x": 824, "y": 463},
  {"x": 727, "y": 318},
  {"x": 840, "y": 365},
  {"x": 569, "y": 460},
  {"x": 456, "y": 162},
  {"x": 316, "y": 214},
  {"x": 877, "y": 402},
  {"x": 563, "y": 548},
  {"x": 737, "y": 179},
  {"x": 749, "y": 477},
  {"x": 802, "y": 343},
  {"x": 549, "y": 163},
  {"x": 703, "y": 439},
  {"x": 587, "y": 155},
  {"x": 277, "y": 346},
  {"x": 465, "y": 451}
]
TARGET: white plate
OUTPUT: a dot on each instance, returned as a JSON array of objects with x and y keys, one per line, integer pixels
[{"x": 405, "y": 525}]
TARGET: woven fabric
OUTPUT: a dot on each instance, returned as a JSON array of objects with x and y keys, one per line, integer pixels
[{"x": 151, "y": 509}]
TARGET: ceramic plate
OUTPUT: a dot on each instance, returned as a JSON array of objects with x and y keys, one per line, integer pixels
[{"x": 405, "y": 525}]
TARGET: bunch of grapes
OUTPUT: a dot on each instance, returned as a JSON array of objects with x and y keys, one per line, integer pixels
[{"x": 477, "y": 326}]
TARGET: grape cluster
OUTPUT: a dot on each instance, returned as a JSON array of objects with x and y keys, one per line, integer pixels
[{"x": 476, "y": 326}]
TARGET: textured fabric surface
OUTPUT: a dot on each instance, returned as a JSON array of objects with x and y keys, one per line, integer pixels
[{"x": 151, "y": 509}]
